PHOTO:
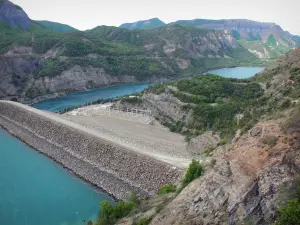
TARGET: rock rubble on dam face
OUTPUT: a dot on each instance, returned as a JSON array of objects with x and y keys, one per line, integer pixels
[{"x": 110, "y": 166}]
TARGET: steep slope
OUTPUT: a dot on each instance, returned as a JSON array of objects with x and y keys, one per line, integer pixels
[
  {"x": 247, "y": 180},
  {"x": 144, "y": 24},
  {"x": 266, "y": 40},
  {"x": 38, "y": 62},
  {"x": 13, "y": 15},
  {"x": 57, "y": 26}
]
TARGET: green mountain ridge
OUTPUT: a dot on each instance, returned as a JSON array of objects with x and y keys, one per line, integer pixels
[
  {"x": 35, "y": 62},
  {"x": 253, "y": 35},
  {"x": 58, "y": 27},
  {"x": 144, "y": 24}
]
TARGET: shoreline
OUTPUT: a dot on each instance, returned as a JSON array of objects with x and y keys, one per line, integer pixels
[
  {"x": 54, "y": 95},
  {"x": 61, "y": 165},
  {"x": 106, "y": 165}
]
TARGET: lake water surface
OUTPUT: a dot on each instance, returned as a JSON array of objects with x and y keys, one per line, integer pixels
[
  {"x": 237, "y": 72},
  {"x": 81, "y": 98},
  {"x": 36, "y": 191}
]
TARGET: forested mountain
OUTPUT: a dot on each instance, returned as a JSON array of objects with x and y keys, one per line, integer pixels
[
  {"x": 265, "y": 40},
  {"x": 57, "y": 26},
  {"x": 144, "y": 24},
  {"x": 38, "y": 62},
  {"x": 245, "y": 134}
]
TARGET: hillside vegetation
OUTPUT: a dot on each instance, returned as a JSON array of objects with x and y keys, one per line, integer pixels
[
  {"x": 265, "y": 40},
  {"x": 256, "y": 166},
  {"x": 107, "y": 55},
  {"x": 36, "y": 59},
  {"x": 217, "y": 104}
]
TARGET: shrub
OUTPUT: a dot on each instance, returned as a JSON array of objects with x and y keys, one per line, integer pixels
[
  {"x": 167, "y": 188},
  {"x": 89, "y": 222},
  {"x": 289, "y": 214},
  {"x": 271, "y": 141},
  {"x": 144, "y": 221},
  {"x": 286, "y": 104},
  {"x": 223, "y": 141},
  {"x": 18, "y": 7},
  {"x": 110, "y": 214},
  {"x": 209, "y": 149},
  {"x": 132, "y": 197},
  {"x": 194, "y": 171}
]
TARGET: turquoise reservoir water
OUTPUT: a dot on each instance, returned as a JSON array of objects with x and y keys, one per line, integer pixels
[
  {"x": 237, "y": 72},
  {"x": 81, "y": 98},
  {"x": 36, "y": 191}
]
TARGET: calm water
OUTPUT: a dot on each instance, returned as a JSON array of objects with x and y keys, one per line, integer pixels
[
  {"x": 237, "y": 72},
  {"x": 36, "y": 191},
  {"x": 77, "y": 99}
]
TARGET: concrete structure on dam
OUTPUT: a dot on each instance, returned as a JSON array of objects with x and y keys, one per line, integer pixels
[{"x": 108, "y": 163}]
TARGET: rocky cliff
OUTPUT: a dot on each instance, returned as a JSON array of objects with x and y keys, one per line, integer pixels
[
  {"x": 144, "y": 24},
  {"x": 38, "y": 62},
  {"x": 13, "y": 14},
  {"x": 265, "y": 40},
  {"x": 256, "y": 172},
  {"x": 246, "y": 29}
]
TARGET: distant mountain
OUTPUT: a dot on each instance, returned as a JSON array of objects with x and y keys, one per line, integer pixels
[
  {"x": 38, "y": 62},
  {"x": 244, "y": 29},
  {"x": 13, "y": 15},
  {"x": 57, "y": 26},
  {"x": 144, "y": 24},
  {"x": 36, "y": 65},
  {"x": 265, "y": 40}
]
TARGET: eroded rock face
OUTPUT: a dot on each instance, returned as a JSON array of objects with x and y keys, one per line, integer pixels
[
  {"x": 198, "y": 144},
  {"x": 255, "y": 131},
  {"x": 78, "y": 79},
  {"x": 18, "y": 70},
  {"x": 245, "y": 185},
  {"x": 13, "y": 14}
]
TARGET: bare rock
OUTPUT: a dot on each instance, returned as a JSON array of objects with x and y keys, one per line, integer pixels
[
  {"x": 255, "y": 131},
  {"x": 198, "y": 144}
]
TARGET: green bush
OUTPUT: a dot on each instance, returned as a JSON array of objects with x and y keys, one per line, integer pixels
[
  {"x": 209, "y": 149},
  {"x": 286, "y": 104},
  {"x": 144, "y": 221},
  {"x": 271, "y": 141},
  {"x": 167, "y": 188},
  {"x": 223, "y": 141},
  {"x": 289, "y": 214},
  {"x": 194, "y": 171},
  {"x": 110, "y": 214},
  {"x": 18, "y": 7}
]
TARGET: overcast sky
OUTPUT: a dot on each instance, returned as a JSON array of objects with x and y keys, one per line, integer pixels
[{"x": 87, "y": 14}]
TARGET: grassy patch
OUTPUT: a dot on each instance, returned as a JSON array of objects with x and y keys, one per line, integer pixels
[
  {"x": 194, "y": 171},
  {"x": 143, "y": 221},
  {"x": 289, "y": 213},
  {"x": 167, "y": 188},
  {"x": 271, "y": 141}
]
